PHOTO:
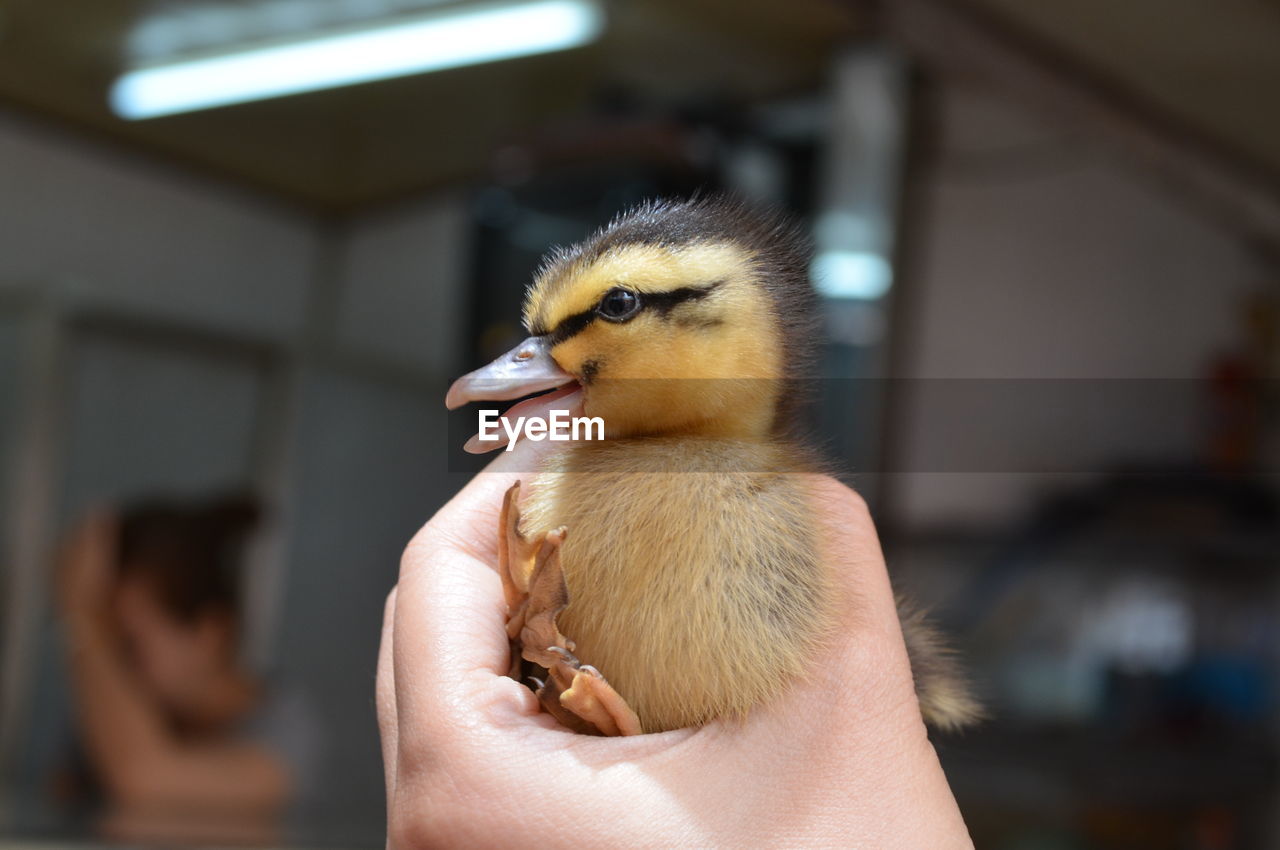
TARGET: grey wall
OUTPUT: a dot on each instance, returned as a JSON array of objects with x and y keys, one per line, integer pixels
[
  {"x": 369, "y": 472},
  {"x": 110, "y": 228},
  {"x": 10, "y": 386},
  {"x": 400, "y": 297},
  {"x": 1036, "y": 257},
  {"x": 350, "y": 457},
  {"x": 154, "y": 418}
]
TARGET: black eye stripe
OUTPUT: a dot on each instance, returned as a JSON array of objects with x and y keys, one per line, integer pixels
[
  {"x": 572, "y": 326},
  {"x": 660, "y": 302},
  {"x": 665, "y": 302}
]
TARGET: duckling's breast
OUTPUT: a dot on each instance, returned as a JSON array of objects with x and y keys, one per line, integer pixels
[{"x": 694, "y": 579}]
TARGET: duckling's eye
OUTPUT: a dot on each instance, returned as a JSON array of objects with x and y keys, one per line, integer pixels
[{"x": 618, "y": 305}]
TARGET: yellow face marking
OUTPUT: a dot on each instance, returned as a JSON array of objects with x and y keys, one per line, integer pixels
[
  {"x": 641, "y": 268},
  {"x": 711, "y": 366}
]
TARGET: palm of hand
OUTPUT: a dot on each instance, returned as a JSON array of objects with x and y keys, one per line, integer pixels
[{"x": 842, "y": 759}]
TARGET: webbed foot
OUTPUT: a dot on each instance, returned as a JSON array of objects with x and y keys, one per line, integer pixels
[
  {"x": 580, "y": 689},
  {"x": 534, "y": 586}
]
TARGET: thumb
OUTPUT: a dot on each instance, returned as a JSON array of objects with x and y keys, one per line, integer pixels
[
  {"x": 449, "y": 612},
  {"x": 469, "y": 521},
  {"x": 859, "y": 683}
]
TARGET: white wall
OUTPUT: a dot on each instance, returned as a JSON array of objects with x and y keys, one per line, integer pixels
[{"x": 1037, "y": 257}]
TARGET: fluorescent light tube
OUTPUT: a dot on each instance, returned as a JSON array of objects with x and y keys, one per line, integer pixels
[{"x": 445, "y": 39}]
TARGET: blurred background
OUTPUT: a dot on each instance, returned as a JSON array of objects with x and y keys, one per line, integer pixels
[{"x": 1048, "y": 243}]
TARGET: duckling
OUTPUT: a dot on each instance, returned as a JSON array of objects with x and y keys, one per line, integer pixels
[{"x": 669, "y": 575}]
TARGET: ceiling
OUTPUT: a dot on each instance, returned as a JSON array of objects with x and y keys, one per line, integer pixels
[
  {"x": 344, "y": 148},
  {"x": 1211, "y": 65}
]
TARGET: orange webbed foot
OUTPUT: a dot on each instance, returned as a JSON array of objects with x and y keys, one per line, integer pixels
[{"x": 534, "y": 586}]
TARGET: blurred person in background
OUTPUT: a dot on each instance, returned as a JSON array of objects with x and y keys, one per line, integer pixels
[{"x": 172, "y": 723}]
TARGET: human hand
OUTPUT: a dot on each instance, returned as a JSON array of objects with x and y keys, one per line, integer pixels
[
  {"x": 85, "y": 563},
  {"x": 841, "y": 759}
]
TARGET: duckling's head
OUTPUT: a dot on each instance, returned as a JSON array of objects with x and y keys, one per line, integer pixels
[{"x": 691, "y": 317}]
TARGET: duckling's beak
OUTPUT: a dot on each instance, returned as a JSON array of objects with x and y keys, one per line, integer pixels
[{"x": 527, "y": 368}]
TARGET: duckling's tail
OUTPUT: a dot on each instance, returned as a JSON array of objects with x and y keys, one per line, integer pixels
[{"x": 946, "y": 699}]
